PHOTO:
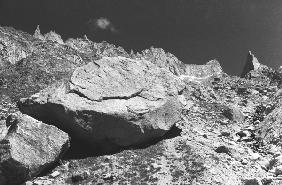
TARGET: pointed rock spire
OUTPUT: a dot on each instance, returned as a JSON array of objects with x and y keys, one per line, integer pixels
[
  {"x": 280, "y": 69},
  {"x": 37, "y": 34},
  {"x": 252, "y": 63}
]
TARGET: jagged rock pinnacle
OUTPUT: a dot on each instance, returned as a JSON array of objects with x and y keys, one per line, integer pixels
[
  {"x": 37, "y": 34},
  {"x": 280, "y": 69},
  {"x": 252, "y": 63}
]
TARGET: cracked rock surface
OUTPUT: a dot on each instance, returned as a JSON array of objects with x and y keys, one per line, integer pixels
[
  {"x": 28, "y": 148},
  {"x": 119, "y": 100},
  {"x": 133, "y": 118}
]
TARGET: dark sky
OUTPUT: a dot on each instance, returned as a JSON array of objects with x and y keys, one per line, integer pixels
[{"x": 193, "y": 30}]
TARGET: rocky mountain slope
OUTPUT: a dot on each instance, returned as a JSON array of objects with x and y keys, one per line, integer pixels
[{"x": 79, "y": 112}]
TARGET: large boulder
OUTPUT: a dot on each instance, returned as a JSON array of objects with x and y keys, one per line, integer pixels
[
  {"x": 28, "y": 148},
  {"x": 113, "y": 100}
]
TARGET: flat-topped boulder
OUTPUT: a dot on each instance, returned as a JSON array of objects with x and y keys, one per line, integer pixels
[
  {"x": 113, "y": 100},
  {"x": 28, "y": 148}
]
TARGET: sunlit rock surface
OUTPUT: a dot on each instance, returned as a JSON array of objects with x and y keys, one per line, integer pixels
[
  {"x": 159, "y": 121},
  {"x": 28, "y": 148},
  {"x": 115, "y": 99}
]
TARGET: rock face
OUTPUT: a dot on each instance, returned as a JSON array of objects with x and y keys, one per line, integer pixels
[
  {"x": 271, "y": 128},
  {"x": 28, "y": 148},
  {"x": 14, "y": 45},
  {"x": 120, "y": 100},
  {"x": 164, "y": 60},
  {"x": 211, "y": 69}
]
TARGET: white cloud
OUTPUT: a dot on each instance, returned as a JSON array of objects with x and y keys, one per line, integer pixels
[{"x": 102, "y": 24}]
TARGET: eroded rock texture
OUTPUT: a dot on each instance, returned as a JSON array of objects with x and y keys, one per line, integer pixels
[
  {"x": 28, "y": 148},
  {"x": 14, "y": 45},
  {"x": 210, "y": 69},
  {"x": 117, "y": 100},
  {"x": 164, "y": 122},
  {"x": 257, "y": 71}
]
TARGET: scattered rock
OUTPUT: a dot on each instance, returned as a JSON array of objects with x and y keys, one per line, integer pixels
[
  {"x": 255, "y": 156},
  {"x": 265, "y": 164},
  {"x": 223, "y": 149},
  {"x": 55, "y": 174},
  {"x": 233, "y": 114},
  {"x": 244, "y": 161},
  {"x": 78, "y": 177},
  {"x": 225, "y": 134},
  {"x": 278, "y": 170},
  {"x": 242, "y": 134},
  {"x": 252, "y": 182},
  {"x": 267, "y": 181}
]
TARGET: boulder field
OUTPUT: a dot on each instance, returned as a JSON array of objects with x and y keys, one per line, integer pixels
[{"x": 80, "y": 112}]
